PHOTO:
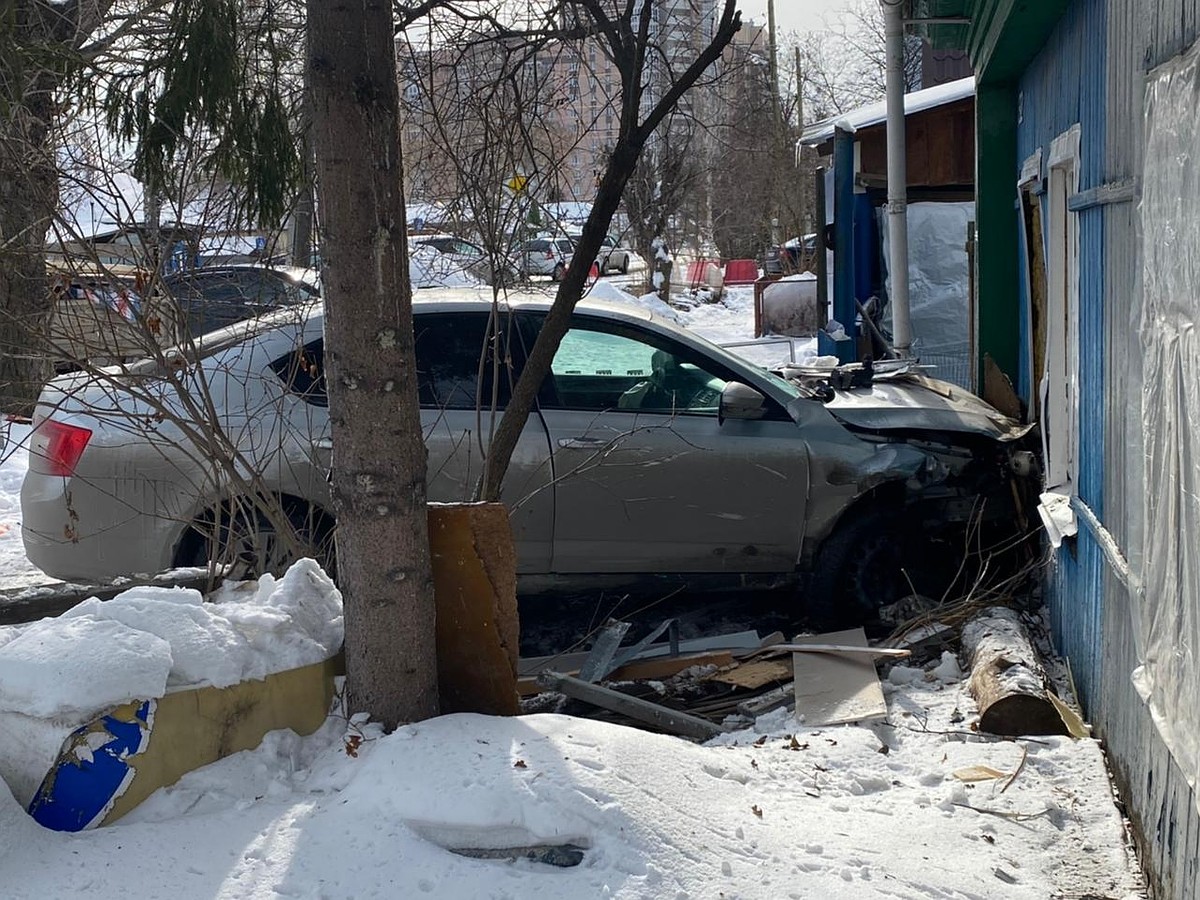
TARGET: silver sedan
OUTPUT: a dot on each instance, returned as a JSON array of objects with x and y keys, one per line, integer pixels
[{"x": 652, "y": 453}]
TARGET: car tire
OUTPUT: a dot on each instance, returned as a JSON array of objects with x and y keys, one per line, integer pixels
[
  {"x": 560, "y": 272},
  {"x": 859, "y": 569},
  {"x": 243, "y": 540},
  {"x": 625, "y": 264}
]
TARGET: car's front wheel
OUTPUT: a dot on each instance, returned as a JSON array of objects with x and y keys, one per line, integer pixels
[{"x": 862, "y": 566}]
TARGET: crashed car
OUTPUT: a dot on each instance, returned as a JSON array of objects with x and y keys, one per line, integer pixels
[{"x": 652, "y": 454}]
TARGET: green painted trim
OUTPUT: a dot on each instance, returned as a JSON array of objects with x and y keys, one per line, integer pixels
[
  {"x": 1005, "y": 35},
  {"x": 997, "y": 287}
]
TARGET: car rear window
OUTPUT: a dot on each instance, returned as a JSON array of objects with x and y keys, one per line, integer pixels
[{"x": 450, "y": 352}]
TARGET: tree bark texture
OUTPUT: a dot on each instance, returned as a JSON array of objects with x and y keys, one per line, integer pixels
[
  {"x": 28, "y": 191},
  {"x": 378, "y": 478},
  {"x": 1007, "y": 679}
]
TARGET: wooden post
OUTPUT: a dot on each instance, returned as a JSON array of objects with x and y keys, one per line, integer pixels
[{"x": 475, "y": 588}]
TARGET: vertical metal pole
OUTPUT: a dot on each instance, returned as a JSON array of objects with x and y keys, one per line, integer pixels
[
  {"x": 844, "y": 310},
  {"x": 897, "y": 177}
]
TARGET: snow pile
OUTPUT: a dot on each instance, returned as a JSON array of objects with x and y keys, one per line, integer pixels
[
  {"x": 731, "y": 320},
  {"x": 59, "y": 673},
  {"x": 611, "y": 293}
]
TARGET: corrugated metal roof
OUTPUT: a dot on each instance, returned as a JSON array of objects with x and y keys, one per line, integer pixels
[{"x": 876, "y": 113}]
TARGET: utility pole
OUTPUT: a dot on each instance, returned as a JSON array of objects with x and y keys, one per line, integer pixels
[{"x": 778, "y": 155}]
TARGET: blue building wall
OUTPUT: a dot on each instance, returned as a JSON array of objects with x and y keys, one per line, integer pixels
[
  {"x": 1092, "y": 71},
  {"x": 1063, "y": 87}
]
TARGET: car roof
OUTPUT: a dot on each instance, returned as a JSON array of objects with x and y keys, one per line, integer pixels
[{"x": 296, "y": 274}]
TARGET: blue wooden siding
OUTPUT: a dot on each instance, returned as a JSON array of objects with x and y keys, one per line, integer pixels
[
  {"x": 1065, "y": 86},
  {"x": 1092, "y": 71}
]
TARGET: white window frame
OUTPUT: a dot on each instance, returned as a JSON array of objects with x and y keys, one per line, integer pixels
[
  {"x": 1060, "y": 405},
  {"x": 1059, "y": 389}
]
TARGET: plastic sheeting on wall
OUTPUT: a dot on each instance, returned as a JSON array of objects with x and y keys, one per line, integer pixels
[
  {"x": 937, "y": 286},
  {"x": 1167, "y": 614}
]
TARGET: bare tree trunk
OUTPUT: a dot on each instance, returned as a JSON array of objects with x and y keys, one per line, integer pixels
[
  {"x": 379, "y": 455},
  {"x": 28, "y": 198},
  {"x": 303, "y": 214},
  {"x": 661, "y": 265}
]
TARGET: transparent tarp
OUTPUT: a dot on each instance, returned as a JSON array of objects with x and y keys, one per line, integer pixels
[
  {"x": 1167, "y": 616},
  {"x": 937, "y": 286}
]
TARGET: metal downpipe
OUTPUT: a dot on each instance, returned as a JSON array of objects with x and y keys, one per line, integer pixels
[{"x": 897, "y": 177}]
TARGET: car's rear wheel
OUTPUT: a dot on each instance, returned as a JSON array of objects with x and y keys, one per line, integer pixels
[
  {"x": 246, "y": 542},
  {"x": 625, "y": 264},
  {"x": 559, "y": 272}
]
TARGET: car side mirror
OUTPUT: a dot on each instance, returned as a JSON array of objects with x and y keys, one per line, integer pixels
[{"x": 740, "y": 401}]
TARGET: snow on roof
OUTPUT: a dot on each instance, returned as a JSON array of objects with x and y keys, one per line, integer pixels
[{"x": 876, "y": 113}]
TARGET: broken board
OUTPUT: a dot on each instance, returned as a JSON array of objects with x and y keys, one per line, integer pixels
[
  {"x": 753, "y": 675},
  {"x": 837, "y": 688}
]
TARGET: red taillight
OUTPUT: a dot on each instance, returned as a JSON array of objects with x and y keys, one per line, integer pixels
[
  {"x": 63, "y": 445},
  {"x": 549, "y": 254}
]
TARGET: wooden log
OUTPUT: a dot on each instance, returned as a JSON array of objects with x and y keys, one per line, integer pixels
[{"x": 1008, "y": 680}]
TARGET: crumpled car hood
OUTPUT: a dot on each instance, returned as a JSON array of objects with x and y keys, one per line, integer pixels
[{"x": 917, "y": 402}]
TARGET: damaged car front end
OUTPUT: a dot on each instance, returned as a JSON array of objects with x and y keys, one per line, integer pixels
[{"x": 944, "y": 502}]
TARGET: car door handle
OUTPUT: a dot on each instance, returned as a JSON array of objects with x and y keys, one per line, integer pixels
[{"x": 582, "y": 443}]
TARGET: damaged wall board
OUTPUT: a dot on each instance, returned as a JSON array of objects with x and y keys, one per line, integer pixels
[{"x": 837, "y": 688}]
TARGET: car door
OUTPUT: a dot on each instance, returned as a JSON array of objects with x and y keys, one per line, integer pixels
[
  {"x": 452, "y": 349},
  {"x": 449, "y": 350},
  {"x": 647, "y": 478}
]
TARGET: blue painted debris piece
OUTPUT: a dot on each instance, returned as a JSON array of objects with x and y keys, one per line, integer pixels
[{"x": 93, "y": 769}]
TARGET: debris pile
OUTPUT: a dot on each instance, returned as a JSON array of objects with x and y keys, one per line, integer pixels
[{"x": 701, "y": 688}]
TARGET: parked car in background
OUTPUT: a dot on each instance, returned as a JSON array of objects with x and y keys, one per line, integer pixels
[
  {"x": 613, "y": 256},
  {"x": 212, "y": 297},
  {"x": 654, "y": 455},
  {"x": 547, "y": 256},
  {"x": 795, "y": 255},
  {"x": 105, "y": 315},
  {"x": 468, "y": 257}
]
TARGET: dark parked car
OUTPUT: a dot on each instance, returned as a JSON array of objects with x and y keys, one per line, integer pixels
[{"x": 215, "y": 296}]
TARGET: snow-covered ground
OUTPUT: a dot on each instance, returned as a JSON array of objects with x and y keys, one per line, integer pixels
[
  {"x": 15, "y": 570},
  {"x": 892, "y": 810},
  {"x": 918, "y": 806}
]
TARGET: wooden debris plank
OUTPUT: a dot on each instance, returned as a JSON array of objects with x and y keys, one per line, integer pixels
[
  {"x": 571, "y": 662},
  {"x": 670, "y": 720},
  {"x": 837, "y": 688},
  {"x": 752, "y": 675},
  {"x": 641, "y": 669},
  {"x": 767, "y": 702},
  {"x": 853, "y": 650}
]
